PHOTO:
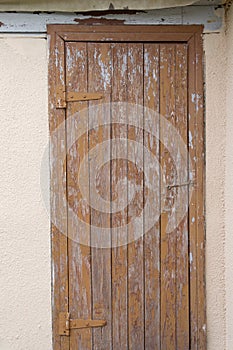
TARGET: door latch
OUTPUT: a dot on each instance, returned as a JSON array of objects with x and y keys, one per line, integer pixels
[{"x": 169, "y": 187}]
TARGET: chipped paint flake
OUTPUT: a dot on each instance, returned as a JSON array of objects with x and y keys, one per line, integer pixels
[
  {"x": 190, "y": 258},
  {"x": 190, "y": 139}
]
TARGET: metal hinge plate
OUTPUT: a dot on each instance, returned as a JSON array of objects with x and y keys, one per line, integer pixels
[
  {"x": 83, "y": 96},
  {"x": 66, "y": 323},
  {"x": 63, "y": 97}
]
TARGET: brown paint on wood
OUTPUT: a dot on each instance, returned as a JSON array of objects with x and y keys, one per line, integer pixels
[
  {"x": 168, "y": 239},
  {"x": 152, "y": 237},
  {"x": 79, "y": 255},
  {"x": 62, "y": 207},
  {"x": 60, "y": 73},
  {"x": 196, "y": 208},
  {"x": 163, "y": 29},
  {"x": 58, "y": 187},
  {"x": 135, "y": 248},
  {"x": 99, "y": 79},
  {"x": 200, "y": 176},
  {"x": 193, "y": 201},
  {"x": 98, "y": 281},
  {"x": 119, "y": 170},
  {"x": 182, "y": 255},
  {"x": 129, "y": 37}
]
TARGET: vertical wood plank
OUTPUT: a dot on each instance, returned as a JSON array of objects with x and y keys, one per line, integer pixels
[
  {"x": 99, "y": 79},
  {"x": 193, "y": 201},
  {"x": 58, "y": 191},
  {"x": 200, "y": 175},
  {"x": 182, "y": 264},
  {"x": 135, "y": 249},
  {"x": 55, "y": 235},
  {"x": 79, "y": 255},
  {"x": 119, "y": 197},
  {"x": 64, "y": 279},
  {"x": 196, "y": 208},
  {"x": 168, "y": 240},
  {"x": 152, "y": 237}
]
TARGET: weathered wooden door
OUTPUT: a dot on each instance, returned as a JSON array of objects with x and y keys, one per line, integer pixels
[{"x": 126, "y": 126}]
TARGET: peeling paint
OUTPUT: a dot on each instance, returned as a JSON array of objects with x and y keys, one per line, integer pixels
[
  {"x": 93, "y": 5},
  {"x": 212, "y": 19},
  {"x": 190, "y": 140}
]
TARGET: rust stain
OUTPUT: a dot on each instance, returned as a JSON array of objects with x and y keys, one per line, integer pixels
[{"x": 97, "y": 21}]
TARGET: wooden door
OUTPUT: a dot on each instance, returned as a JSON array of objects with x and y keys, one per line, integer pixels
[{"x": 127, "y": 155}]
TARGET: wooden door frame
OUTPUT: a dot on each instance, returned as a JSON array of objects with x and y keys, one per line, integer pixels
[{"x": 192, "y": 35}]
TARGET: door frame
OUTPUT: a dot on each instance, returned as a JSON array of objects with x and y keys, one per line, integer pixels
[{"x": 192, "y": 35}]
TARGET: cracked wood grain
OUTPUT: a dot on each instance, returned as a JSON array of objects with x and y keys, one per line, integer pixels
[{"x": 79, "y": 254}]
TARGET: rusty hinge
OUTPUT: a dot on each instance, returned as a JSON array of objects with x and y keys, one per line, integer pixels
[
  {"x": 63, "y": 97},
  {"x": 60, "y": 97},
  {"x": 66, "y": 323},
  {"x": 83, "y": 96}
]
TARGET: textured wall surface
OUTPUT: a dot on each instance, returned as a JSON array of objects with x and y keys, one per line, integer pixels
[
  {"x": 74, "y": 5},
  {"x": 212, "y": 17},
  {"x": 229, "y": 182},
  {"x": 215, "y": 57},
  {"x": 25, "y": 322},
  {"x": 25, "y": 236}
]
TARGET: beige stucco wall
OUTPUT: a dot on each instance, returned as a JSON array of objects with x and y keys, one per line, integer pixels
[
  {"x": 25, "y": 321},
  {"x": 229, "y": 182},
  {"x": 215, "y": 73}
]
